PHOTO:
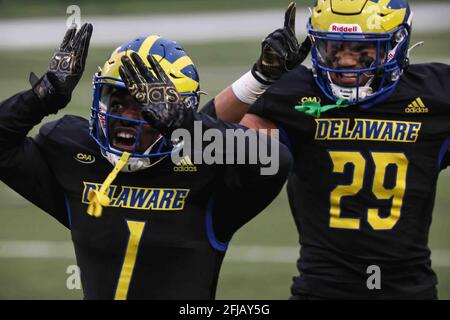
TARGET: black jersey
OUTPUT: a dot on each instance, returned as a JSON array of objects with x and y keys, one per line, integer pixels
[
  {"x": 165, "y": 232},
  {"x": 364, "y": 180}
]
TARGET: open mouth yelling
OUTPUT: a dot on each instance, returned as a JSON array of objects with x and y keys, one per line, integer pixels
[
  {"x": 125, "y": 138},
  {"x": 347, "y": 79}
]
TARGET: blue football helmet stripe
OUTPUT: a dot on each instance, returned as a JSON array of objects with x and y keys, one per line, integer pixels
[
  {"x": 133, "y": 45},
  {"x": 167, "y": 49}
]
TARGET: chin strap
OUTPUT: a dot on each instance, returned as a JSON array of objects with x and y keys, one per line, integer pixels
[
  {"x": 99, "y": 199},
  {"x": 314, "y": 109}
]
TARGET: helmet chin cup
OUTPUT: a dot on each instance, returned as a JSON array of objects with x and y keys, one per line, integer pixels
[
  {"x": 351, "y": 94},
  {"x": 134, "y": 164}
]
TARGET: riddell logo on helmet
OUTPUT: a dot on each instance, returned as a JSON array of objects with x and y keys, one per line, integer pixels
[{"x": 350, "y": 28}]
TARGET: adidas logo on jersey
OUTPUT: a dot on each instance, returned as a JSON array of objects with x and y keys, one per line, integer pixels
[
  {"x": 185, "y": 165},
  {"x": 417, "y": 106}
]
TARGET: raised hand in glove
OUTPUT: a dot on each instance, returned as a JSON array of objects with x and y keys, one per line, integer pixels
[
  {"x": 65, "y": 69},
  {"x": 280, "y": 51},
  {"x": 162, "y": 106}
]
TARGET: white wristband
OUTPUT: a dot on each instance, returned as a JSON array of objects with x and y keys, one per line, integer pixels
[{"x": 247, "y": 89}]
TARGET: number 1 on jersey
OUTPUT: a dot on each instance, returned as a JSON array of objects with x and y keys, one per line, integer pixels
[{"x": 136, "y": 229}]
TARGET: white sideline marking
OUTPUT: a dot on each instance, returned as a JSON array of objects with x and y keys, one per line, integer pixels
[
  {"x": 195, "y": 27},
  {"x": 250, "y": 254},
  {"x": 36, "y": 249}
]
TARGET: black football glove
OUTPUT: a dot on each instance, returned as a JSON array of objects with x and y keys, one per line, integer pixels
[
  {"x": 280, "y": 51},
  {"x": 162, "y": 106},
  {"x": 65, "y": 69}
]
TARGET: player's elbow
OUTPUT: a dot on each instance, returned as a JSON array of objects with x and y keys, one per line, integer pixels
[{"x": 256, "y": 122}]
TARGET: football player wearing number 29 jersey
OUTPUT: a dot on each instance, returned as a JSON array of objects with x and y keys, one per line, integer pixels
[{"x": 369, "y": 133}]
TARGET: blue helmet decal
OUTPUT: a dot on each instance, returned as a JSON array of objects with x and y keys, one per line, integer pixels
[{"x": 133, "y": 45}]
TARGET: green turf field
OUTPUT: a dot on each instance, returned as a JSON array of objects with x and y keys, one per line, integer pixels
[{"x": 243, "y": 276}]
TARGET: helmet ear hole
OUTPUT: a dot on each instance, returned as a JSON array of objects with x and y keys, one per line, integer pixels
[{"x": 400, "y": 35}]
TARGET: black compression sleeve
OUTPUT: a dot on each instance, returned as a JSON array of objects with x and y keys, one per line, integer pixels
[{"x": 22, "y": 165}]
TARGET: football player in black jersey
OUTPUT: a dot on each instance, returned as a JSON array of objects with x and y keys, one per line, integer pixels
[
  {"x": 369, "y": 133},
  {"x": 154, "y": 229}
]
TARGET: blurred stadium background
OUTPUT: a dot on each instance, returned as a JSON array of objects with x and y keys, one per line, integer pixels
[{"x": 223, "y": 38}]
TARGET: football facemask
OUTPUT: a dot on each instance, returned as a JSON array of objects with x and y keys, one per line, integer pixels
[
  {"x": 356, "y": 60},
  {"x": 117, "y": 132}
]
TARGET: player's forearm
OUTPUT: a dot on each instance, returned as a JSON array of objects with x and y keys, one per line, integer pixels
[
  {"x": 233, "y": 102},
  {"x": 228, "y": 107},
  {"x": 18, "y": 115}
]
